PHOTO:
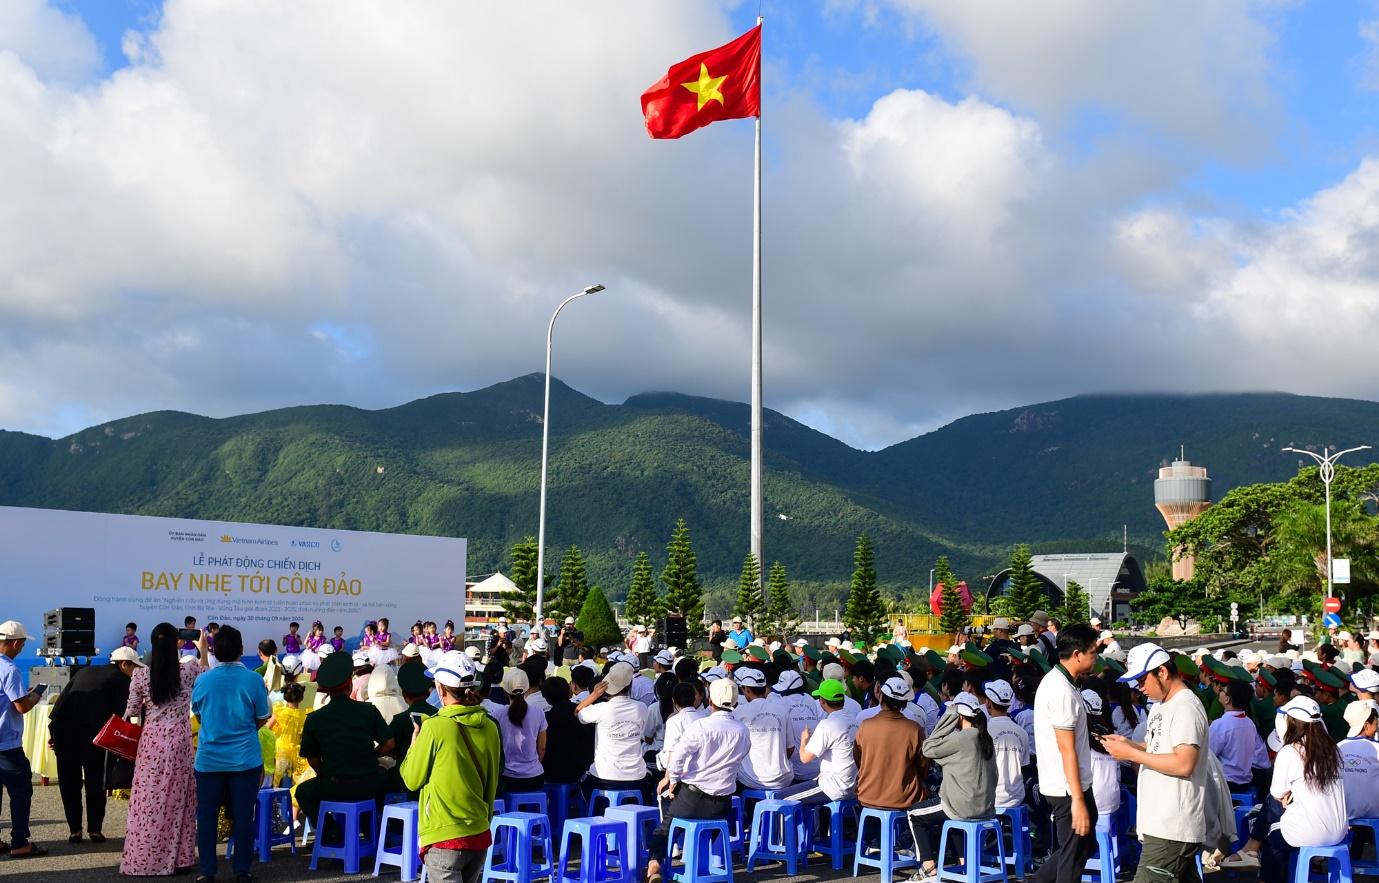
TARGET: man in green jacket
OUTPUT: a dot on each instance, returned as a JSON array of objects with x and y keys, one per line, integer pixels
[{"x": 455, "y": 761}]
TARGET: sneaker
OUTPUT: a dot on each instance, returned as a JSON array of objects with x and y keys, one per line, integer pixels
[{"x": 923, "y": 876}]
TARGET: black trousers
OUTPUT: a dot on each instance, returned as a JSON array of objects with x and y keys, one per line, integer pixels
[
  {"x": 1070, "y": 860},
  {"x": 81, "y": 764},
  {"x": 687, "y": 804}
]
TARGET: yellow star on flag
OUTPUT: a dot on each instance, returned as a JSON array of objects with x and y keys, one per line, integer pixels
[{"x": 706, "y": 87}]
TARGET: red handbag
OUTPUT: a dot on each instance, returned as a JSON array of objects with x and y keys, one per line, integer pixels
[{"x": 119, "y": 737}]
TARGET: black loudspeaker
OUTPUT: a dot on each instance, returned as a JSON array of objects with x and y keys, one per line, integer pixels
[
  {"x": 69, "y": 642},
  {"x": 81, "y": 619},
  {"x": 673, "y": 632}
]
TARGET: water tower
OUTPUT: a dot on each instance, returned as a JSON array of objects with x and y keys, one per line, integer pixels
[{"x": 1181, "y": 493}]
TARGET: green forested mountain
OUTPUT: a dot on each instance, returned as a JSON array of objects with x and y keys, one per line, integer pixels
[{"x": 1062, "y": 476}]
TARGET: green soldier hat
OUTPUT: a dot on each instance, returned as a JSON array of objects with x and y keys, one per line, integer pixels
[
  {"x": 1114, "y": 665},
  {"x": 812, "y": 652},
  {"x": 780, "y": 657},
  {"x": 1186, "y": 666},
  {"x": 826, "y": 658},
  {"x": 1267, "y": 677},
  {"x": 846, "y": 656},
  {"x": 1324, "y": 678},
  {"x": 412, "y": 679},
  {"x": 936, "y": 662},
  {"x": 732, "y": 657},
  {"x": 1217, "y": 670},
  {"x": 1243, "y": 674},
  {"x": 975, "y": 657},
  {"x": 758, "y": 653},
  {"x": 1039, "y": 659},
  {"x": 335, "y": 671},
  {"x": 1015, "y": 653}
]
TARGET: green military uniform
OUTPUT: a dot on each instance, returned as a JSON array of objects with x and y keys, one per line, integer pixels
[
  {"x": 342, "y": 735},
  {"x": 401, "y": 728}
]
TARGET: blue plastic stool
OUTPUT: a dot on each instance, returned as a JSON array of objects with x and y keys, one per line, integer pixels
[
  {"x": 640, "y": 821},
  {"x": 405, "y": 856},
  {"x": 603, "y": 852},
  {"x": 1126, "y": 821},
  {"x": 737, "y": 837},
  {"x": 1366, "y": 864},
  {"x": 265, "y": 836},
  {"x": 395, "y": 797},
  {"x": 981, "y": 866},
  {"x": 1338, "y": 869},
  {"x": 1020, "y": 859},
  {"x": 887, "y": 862},
  {"x": 707, "y": 856},
  {"x": 613, "y": 798},
  {"x": 1244, "y": 797},
  {"x": 354, "y": 848},
  {"x": 566, "y": 801},
  {"x": 837, "y": 847},
  {"x": 1242, "y": 827},
  {"x": 526, "y": 853},
  {"x": 778, "y": 833},
  {"x": 1105, "y": 865},
  {"x": 525, "y": 801}
]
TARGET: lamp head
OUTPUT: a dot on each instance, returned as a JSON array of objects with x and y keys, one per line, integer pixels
[{"x": 593, "y": 289}]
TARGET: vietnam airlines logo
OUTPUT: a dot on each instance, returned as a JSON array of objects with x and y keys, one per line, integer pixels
[{"x": 226, "y": 538}]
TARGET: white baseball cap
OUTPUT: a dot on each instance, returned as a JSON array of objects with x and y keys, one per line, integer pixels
[
  {"x": 515, "y": 681},
  {"x": 717, "y": 673},
  {"x": 409, "y": 650},
  {"x": 955, "y": 650},
  {"x": 126, "y": 654},
  {"x": 472, "y": 652},
  {"x": 290, "y": 665},
  {"x": 1107, "y": 636},
  {"x": 729, "y": 644},
  {"x": 723, "y": 693},
  {"x": 801, "y": 643},
  {"x": 999, "y": 692},
  {"x": 360, "y": 657},
  {"x": 454, "y": 669},
  {"x": 1092, "y": 701},
  {"x": 1001, "y": 623},
  {"x": 966, "y": 705},
  {"x": 832, "y": 642},
  {"x": 737, "y": 619},
  {"x": 13, "y": 631},
  {"x": 569, "y": 620},
  {"x": 1024, "y": 631},
  {"x": 537, "y": 645},
  {"x": 326, "y": 650},
  {"x": 1365, "y": 680},
  {"x": 788, "y": 680},
  {"x": 750, "y": 677},
  {"x": 665, "y": 657},
  {"x": 619, "y": 677},
  {"x": 896, "y": 688},
  {"x": 1303, "y": 708},
  {"x": 834, "y": 671},
  {"x": 1142, "y": 659}
]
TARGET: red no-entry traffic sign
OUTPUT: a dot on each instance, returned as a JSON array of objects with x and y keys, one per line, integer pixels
[{"x": 1332, "y": 605}]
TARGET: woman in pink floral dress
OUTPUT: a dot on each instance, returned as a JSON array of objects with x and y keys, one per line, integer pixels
[{"x": 160, "y": 836}]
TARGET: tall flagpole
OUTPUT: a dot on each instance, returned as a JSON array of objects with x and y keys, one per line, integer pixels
[{"x": 756, "y": 357}]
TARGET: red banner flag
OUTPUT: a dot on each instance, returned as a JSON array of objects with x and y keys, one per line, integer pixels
[{"x": 721, "y": 84}]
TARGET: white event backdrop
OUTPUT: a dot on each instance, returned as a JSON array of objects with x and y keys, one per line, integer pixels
[{"x": 257, "y": 577}]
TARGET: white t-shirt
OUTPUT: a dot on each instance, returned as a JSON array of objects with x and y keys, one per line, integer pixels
[
  {"x": 674, "y": 729},
  {"x": 831, "y": 742},
  {"x": 1059, "y": 706},
  {"x": 929, "y": 708},
  {"x": 1012, "y": 753},
  {"x": 655, "y": 728},
  {"x": 1172, "y": 807},
  {"x": 1313, "y": 817},
  {"x": 1360, "y": 773},
  {"x": 768, "y": 765},
  {"x": 804, "y": 712},
  {"x": 1105, "y": 784},
  {"x": 617, "y": 738},
  {"x": 911, "y": 711}
]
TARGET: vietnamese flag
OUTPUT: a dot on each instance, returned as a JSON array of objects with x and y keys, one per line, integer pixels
[{"x": 721, "y": 84}]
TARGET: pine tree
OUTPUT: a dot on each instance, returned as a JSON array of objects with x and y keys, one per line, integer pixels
[
  {"x": 953, "y": 617},
  {"x": 597, "y": 620},
  {"x": 1023, "y": 590},
  {"x": 520, "y": 605},
  {"x": 749, "y": 604},
  {"x": 683, "y": 596},
  {"x": 866, "y": 612},
  {"x": 1077, "y": 604},
  {"x": 781, "y": 612},
  {"x": 573, "y": 587},
  {"x": 641, "y": 597}
]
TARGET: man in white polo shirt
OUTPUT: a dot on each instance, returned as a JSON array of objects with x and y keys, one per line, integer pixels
[
  {"x": 1172, "y": 820},
  {"x": 831, "y": 743},
  {"x": 1064, "y": 756},
  {"x": 767, "y": 767}
]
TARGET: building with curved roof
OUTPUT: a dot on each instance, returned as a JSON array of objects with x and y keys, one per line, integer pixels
[{"x": 1111, "y": 580}]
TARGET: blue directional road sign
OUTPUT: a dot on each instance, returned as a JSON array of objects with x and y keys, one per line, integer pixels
[{"x": 1332, "y": 620}]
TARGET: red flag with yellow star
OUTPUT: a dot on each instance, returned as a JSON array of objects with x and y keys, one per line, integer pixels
[{"x": 721, "y": 84}]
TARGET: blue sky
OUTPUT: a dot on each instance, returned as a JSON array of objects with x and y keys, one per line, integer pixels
[{"x": 967, "y": 206}]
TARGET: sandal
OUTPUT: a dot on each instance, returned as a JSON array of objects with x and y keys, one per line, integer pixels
[
  {"x": 76, "y": 838},
  {"x": 1240, "y": 860},
  {"x": 35, "y": 851},
  {"x": 97, "y": 838}
]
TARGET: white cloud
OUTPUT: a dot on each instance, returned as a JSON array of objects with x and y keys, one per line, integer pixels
[
  {"x": 289, "y": 203},
  {"x": 54, "y": 45}
]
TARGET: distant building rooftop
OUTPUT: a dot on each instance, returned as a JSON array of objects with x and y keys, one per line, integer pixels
[{"x": 1107, "y": 577}]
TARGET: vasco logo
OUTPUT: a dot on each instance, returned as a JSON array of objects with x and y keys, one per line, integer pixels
[{"x": 306, "y": 544}]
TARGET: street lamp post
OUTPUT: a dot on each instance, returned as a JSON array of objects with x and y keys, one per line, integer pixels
[
  {"x": 1327, "y": 461},
  {"x": 539, "y": 612},
  {"x": 931, "y": 579}
]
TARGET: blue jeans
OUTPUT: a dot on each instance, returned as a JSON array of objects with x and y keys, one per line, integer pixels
[
  {"x": 17, "y": 778},
  {"x": 211, "y": 788}
]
